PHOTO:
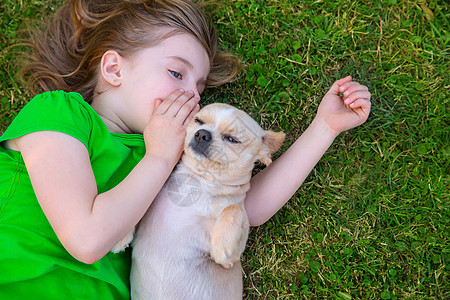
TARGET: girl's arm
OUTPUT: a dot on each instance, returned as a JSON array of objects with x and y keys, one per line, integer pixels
[
  {"x": 271, "y": 188},
  {"x": 89, "y": 224}
]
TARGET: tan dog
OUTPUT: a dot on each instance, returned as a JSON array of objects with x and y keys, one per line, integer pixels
[{"x": 189, "y": 243}]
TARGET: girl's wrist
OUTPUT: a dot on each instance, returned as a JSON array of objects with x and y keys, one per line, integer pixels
[
  {"x": 321, "y": 129},
  {"x": 159, "y": 162}
]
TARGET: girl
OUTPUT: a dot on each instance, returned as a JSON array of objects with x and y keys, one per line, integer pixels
[{"x": 82, "y": 162}]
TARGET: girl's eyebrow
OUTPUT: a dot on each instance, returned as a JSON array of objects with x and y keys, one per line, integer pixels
[
  {"x": 188, "y": 64},
  {"x": 182, "y": 60}
]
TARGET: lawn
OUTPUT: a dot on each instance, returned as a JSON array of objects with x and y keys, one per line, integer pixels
[{"x": 372, "y": 219}]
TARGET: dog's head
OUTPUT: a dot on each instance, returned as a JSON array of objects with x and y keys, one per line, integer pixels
[{"x": 223, "y": 143}]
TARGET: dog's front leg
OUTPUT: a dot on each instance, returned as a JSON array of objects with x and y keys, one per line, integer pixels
[{"x": 229, "y": 235}]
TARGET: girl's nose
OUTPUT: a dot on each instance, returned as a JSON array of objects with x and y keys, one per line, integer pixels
[{"x": 194, "y": 89}]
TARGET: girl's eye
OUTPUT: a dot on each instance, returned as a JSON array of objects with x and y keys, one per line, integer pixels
[
  {"x": 199, "y": 122},
  {"x": 231, "y": 139},
  {"x": 176, "y": 74}
]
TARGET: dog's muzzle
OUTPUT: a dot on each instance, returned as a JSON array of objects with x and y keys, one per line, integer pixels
[{"x": 201, "y": 142}]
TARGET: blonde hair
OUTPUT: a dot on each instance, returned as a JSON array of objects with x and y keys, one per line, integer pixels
[{"x": 67, "y": 54}]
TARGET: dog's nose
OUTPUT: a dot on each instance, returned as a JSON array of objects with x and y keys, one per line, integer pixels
[
  {"x": 201, "y": 142},
  {"x": 203, "y": 136}
]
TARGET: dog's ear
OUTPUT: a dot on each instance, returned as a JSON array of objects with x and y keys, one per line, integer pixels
[{"x": 271, "y": 142}]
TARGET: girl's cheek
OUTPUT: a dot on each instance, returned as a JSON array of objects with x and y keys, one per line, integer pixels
[{"x": 163, "y": 88}]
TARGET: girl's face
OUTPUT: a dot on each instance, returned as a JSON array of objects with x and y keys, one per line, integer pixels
[{"x": 178, "y": 62}]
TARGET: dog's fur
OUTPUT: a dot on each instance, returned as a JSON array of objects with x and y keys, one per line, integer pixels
[{"x": 189, "y": 243}]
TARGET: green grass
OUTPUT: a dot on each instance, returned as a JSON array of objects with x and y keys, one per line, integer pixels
[{"x": 372, "y": 219}]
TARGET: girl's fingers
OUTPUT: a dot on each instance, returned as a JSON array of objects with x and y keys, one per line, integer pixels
[
  {"x": 361, "y": 107},
  {"x": 191, "y": 115},
  {"x": 355, "y": 96},
  {"x": 186, "y": 110},
  {"x": 167, "y": 103},
  {"x": 334, "y": 90},
  {"x": 179, "y": 105},
  {"x": 156, "y": 104},
  {"x": 344, "y": 80},
  {"x": 351, "y": 87}
]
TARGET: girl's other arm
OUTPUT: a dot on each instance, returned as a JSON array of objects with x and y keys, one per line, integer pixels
[{"x": 272, "y": 187}]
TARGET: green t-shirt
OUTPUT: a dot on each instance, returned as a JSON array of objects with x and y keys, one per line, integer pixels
[{"x": 33, "y": 262}]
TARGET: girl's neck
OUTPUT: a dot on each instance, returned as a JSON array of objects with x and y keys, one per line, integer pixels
[
  {"x": 112, "y": 120},
  {"x": 114, "y": 127}
]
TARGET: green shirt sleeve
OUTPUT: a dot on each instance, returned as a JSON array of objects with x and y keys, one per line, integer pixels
[{"x": 53, "y": 111}]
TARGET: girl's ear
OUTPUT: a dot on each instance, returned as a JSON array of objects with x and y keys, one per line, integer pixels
[
  {"x": 271, "y": 143},
  {"x": 111, "y": 67}
]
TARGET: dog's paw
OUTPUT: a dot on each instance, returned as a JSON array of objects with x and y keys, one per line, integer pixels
[
  {"x": 229, "y": 236},
  {"x": 224, "y": 257},
  {"x": 123, "y": 243}
]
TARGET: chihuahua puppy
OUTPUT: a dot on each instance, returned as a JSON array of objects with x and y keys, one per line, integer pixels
[{"x": 188, "y": 244}]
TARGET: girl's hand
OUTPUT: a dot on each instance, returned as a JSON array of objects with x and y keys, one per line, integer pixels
[
  {"x": 166, "y": 130},
  {"x": 351, "y": 110}
]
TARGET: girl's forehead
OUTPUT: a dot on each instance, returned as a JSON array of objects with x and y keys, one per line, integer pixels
[
  {"x": 183, "y": 39},
  {"x": 180, "y": 45},
  {"x": 180, "y": 49},
  {"x": 185, "y": 48}
]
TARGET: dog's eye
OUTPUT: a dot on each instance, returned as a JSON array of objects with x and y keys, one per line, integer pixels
[
  {"x": 231, "y": 139},
  {"x": 199, "y": 122}
]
